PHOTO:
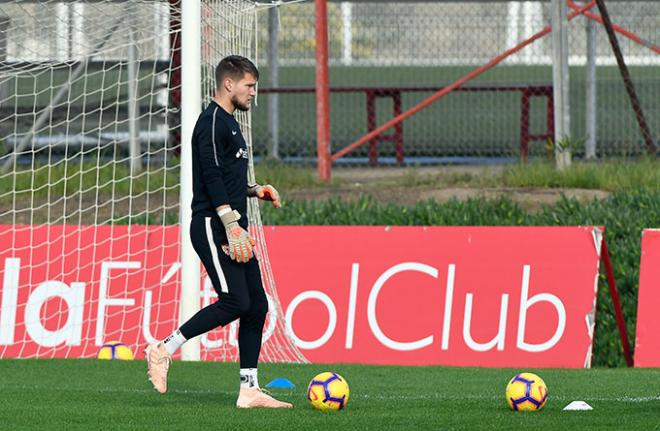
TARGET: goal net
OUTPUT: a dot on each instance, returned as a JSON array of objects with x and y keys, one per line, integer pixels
[{"x": 90, "y": 100}]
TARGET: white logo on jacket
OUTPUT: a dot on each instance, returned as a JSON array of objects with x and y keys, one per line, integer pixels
[{"x": 241, "y": 153}]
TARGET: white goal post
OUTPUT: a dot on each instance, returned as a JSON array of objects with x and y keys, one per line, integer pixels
[{"x": 191, "y": 70}]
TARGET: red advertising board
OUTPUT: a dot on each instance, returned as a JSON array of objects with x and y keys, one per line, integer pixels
[
  {"x": 464, "y": 296},
  {"x": 647, "y": 338},
  {"x": 482, "y": 296},
  {"x": 68, "y": 289}
]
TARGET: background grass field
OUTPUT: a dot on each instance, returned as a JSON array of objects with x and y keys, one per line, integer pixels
[
  {"x": 92, "y": 394},
  {"x": 460, "y": 125}
]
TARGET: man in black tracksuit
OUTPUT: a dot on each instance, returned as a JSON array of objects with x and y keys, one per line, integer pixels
[{"x": 219, "y": 233}]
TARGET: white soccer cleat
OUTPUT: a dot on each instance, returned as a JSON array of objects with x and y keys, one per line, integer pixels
[
  {"x": 251, "y": 398},
  {"x": 158, "y": 364}
]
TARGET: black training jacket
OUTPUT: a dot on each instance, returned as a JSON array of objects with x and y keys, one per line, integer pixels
[{"x": 220, "y": 163}]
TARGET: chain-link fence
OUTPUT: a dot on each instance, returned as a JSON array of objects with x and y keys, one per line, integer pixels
[
  {"x": 387, "y": 57},
  {"x": 384, "y": 58}
]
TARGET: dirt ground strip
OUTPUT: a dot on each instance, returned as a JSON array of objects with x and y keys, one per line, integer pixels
[{"x": 408, "y": 185}]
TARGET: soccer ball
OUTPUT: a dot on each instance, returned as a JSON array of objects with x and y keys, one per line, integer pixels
[
  {"x": 328, "y": 391},
  {"x": 526, "y": 392},
  {"x": 115, "y": 350}
]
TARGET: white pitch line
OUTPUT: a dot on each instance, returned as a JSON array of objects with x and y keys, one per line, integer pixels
[{"x": 393, "y": 397}]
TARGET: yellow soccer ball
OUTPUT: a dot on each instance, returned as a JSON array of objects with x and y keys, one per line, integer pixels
[
  {"x": 526, "y": 392},
  {"x": 115, "y": 350},
  {"x": 328, "y": 392}
]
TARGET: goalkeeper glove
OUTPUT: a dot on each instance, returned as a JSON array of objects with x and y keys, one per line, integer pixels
[
  {"x": 240, "y": 243},
  {"x": 266, "y": 193}
]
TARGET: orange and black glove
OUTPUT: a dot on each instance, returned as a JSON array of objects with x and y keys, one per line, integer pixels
[
  {"x": 266, "y": 193},
  {"x": 239, "y": 242}
]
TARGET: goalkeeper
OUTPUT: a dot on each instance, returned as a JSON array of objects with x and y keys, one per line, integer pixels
[{"x": 219, "y": 233}]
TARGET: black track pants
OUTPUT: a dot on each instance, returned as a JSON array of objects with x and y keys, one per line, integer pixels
[{"x": 240, "y": 291}]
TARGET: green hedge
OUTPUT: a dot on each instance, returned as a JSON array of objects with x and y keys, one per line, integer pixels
[{"x": 624, "y": 214}]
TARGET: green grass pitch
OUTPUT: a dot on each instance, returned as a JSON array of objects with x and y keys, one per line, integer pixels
[{"x": 90, "y": 394}]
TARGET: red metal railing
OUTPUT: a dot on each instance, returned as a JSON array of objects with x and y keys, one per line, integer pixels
[{"x": 395, "y": 93}]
